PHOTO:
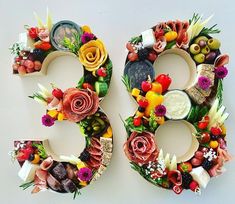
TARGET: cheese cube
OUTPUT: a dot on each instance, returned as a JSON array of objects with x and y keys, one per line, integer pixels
[
  {"x": 26, "y": 41},
  {"x": 148, "y": 38},
  {"x": 201, "y": 176},
  {"x": 27, "y": 171}
]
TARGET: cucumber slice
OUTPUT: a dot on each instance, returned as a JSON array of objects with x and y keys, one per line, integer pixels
[
  {"x": 191, "y": 114},
  {"x": 196, "y": 114},
  {"x": 101, "y": 88},
  {"x": 204, "y": 110}
]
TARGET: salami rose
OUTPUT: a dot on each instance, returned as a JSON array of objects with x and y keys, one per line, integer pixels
[
  {"x": 79, "y": 103},
  {"x": 141, "y": 147}
]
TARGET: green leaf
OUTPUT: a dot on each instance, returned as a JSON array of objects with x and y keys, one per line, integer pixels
[
  {"x": 136, "y": 40},
  {"x": 81, "y": 81},
  {"x": 126, "y": 81},
  {"x": 152, "y": 122},
  {"x": 219, "y": 93},
  {"x": 41, "y": 150},
  {"x": 109, "y": 68},
  {"x": 196, "y": 17}
]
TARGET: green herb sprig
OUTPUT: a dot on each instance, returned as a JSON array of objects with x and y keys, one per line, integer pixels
[
  {"x": 126, "y": 81},
  {"x": 219, "y": 93},
  {"x": 24, "y": 186}
]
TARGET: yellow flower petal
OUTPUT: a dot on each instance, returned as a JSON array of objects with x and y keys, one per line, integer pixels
[
  {"x": 80, "y": 165},
  {"x": 60, "y": 117}
]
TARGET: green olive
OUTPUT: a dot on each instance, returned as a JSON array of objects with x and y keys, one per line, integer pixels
[
  {"x": 204, "y": 38},
  {"x": 194, "y": 49},
  {"x": 205, "y": 50},
  {"x": 199, "y": 58},
  {"x": 213, "y": 43}
]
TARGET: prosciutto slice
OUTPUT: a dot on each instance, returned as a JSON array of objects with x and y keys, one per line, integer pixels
[
  {"x": 95, "y": 154},
  {"x": 79, "y": 103}
]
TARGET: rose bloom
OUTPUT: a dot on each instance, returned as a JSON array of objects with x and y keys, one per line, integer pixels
[
  {"x": 79, "y": 103},
  {"x": 92, "y": 55},
  {"x": 141, "y": 147}
]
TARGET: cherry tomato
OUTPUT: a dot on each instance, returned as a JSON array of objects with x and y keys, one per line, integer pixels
[{"x": 137, "y": 122}]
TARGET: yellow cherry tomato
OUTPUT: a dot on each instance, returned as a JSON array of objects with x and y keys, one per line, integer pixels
[
  {"x": 213, "y": 144},
  {"x": 170, "y": 36},
  {"x": 223, "y": 128},
  {"x": 36, "y": 159},
  {"x": 60, "y": 117},
  {"x": 160, "y": 120},
  {"x": 154, "y": 99},
  {"x": 139, "y": 114},
  {"x": 156, "y": 87}
]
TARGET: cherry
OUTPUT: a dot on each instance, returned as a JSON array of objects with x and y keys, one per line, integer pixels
[
  {"x": 58, "y": 93},
  {"x": 143, "y": 103}
]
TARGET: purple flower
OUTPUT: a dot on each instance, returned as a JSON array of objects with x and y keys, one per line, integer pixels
[
  {"x": 221, "y": 72},
  {"x": 47, "y": 120},
  {"x": 86, "y": 37},
  {"x": 160, "y": 110},
  {"x": 84, "y": 174},
  {"x": 204, "y": 82}
]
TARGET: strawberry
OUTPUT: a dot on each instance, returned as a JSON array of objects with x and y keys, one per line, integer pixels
[
  {"x": 137, "y": 122},
  {"x": 194, "y": 186},
  {"x": 216, "y": 131},
  {"x": 58, "y": 93},
  {"x": 185, "y": 167},
  {"x": 143, "y": 103},
  {"x": 42, "y": 45},
  {"x": 33, "y": 33},
  {"x": 102, "y": 72}
]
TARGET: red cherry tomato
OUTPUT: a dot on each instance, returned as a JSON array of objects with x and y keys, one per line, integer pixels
[
  {"x": 202, "y": 125},
  {"x": 137, "y": 122},
  {"x": 143, "y": 103},
  {"x": 58, "y": 93},
  {"x": 87, "y": 86}
]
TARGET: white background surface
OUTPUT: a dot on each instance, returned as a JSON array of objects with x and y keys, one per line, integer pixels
[{"x": 114, "y": 22}]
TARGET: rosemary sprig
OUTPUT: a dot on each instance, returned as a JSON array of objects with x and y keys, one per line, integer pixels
[
  {"x": 26, "y": 185},
  {"x": 196, "y": 17},
  {"x": 73, "y": 46},
  {"x": 39, "y": 96},
  {"x": 126, "y": 81},
  {"x": 76, "y": 193},
  {"x": 209, "y": 31},
  {"x": 109, "y": 68},
  {"x": 136, "y": 40},
  {"x": 81, "y": 81},
  {"x": 219, "y": 93}
]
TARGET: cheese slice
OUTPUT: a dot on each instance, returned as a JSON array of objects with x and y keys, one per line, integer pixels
[
  {"x": 148, "y": 38},
  {"x": 26, "y": 41},
  {"x": 27, "y": 171},
  {"x": 200, "y": 175}
]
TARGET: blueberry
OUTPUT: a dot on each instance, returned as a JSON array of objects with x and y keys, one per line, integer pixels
[
  {"x": 31, "y": 157},
  {"x": 141, "y": 109}
]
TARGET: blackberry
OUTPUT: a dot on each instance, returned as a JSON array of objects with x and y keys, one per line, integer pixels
[
  {"x": 38, "y": 55},
  {"x": 85, "y": 156},
  {"x": 206, "y": 164},
  {"x": 186, "y": 179},
  {"x": 143, "y": 54}
]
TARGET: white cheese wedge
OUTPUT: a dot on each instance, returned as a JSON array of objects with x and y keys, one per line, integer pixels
[
  {"x": 148, "y": 38},
  {"x": 27, "y": 171},
  {"x": 26, "y": 41},
  {"x": 201, "y": 176}
]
